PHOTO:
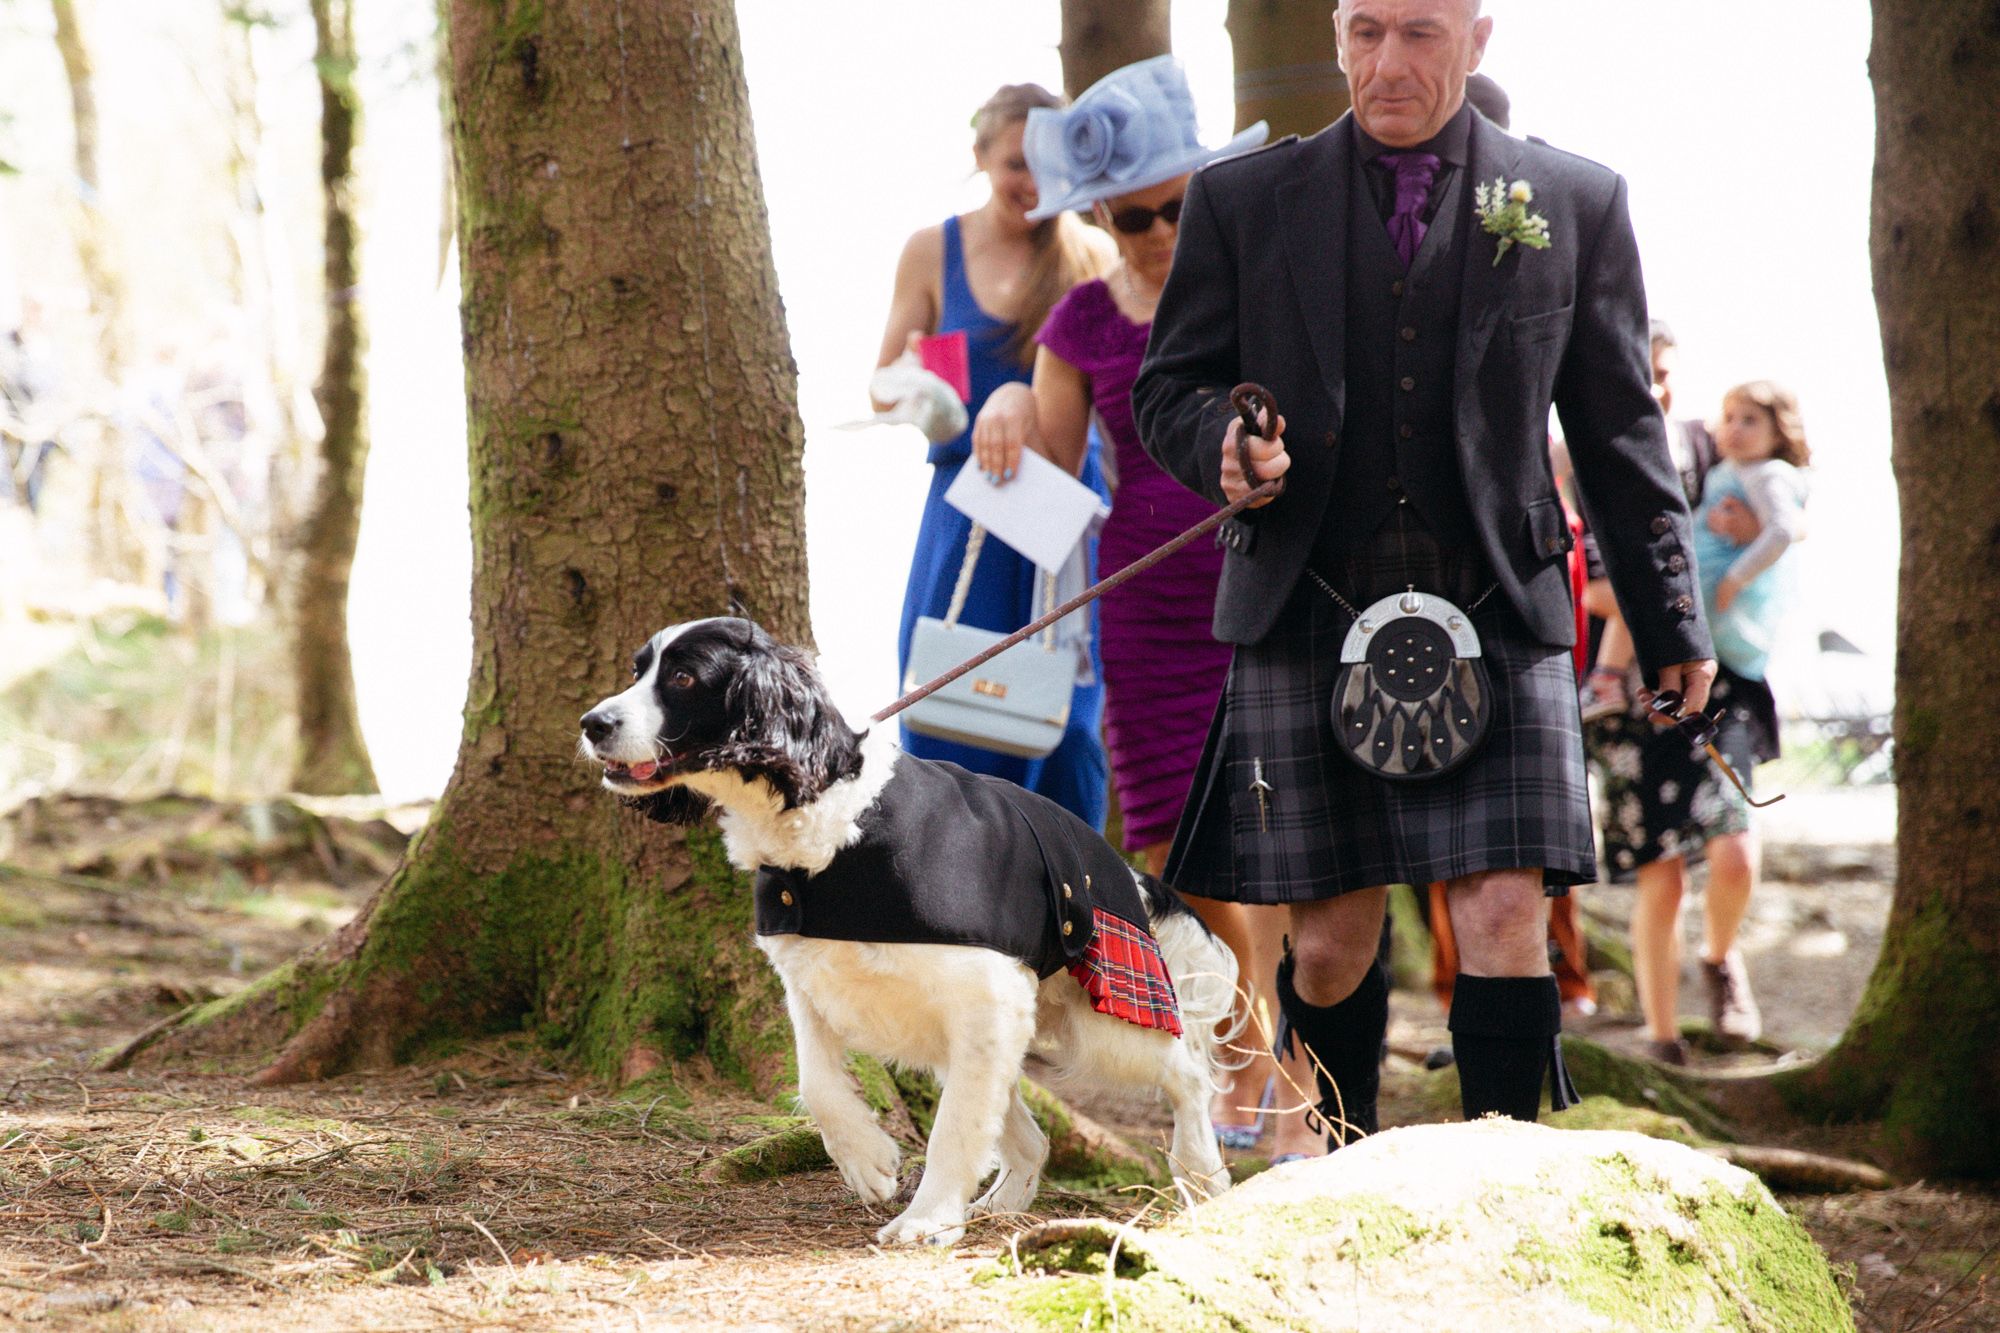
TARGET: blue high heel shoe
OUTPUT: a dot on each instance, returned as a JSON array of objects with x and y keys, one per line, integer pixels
[{"x": 1242, "y": 1138}]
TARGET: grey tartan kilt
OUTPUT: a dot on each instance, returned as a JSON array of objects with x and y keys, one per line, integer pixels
[{"x": 1329, "y": 828}]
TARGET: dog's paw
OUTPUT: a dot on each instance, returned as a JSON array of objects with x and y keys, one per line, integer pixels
[
  {"x": 867, "y": 1162},
  {"x": 911, "y": 1229},
  {"x": 1012, "y": 1192}
]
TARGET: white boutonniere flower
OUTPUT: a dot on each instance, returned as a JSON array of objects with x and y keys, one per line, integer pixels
[{"x": 1503, "y": 212}]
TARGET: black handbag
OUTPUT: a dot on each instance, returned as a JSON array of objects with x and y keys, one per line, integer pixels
[{"x": 1412, "y": 700}]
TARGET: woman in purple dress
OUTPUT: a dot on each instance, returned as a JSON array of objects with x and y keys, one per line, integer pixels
[{"x": 1125, "y": 150}]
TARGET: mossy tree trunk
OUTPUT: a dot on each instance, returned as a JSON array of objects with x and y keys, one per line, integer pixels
[
  {"x": 1099, "y": 36},
  {"x": 636, "y": 461},
  {"x": 332, "y": 757},
  {"x": 1286, "y": 68},
  {"x": 1920, "y": 1055}
]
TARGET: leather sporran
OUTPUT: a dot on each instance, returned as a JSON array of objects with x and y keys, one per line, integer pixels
[{"x": 1412, "y": 701}]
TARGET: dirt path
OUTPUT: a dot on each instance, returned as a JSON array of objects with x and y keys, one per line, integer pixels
[{"x": 493, "y": 1191}]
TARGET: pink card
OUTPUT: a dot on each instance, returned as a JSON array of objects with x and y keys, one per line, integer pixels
[{"x": 944, "y": 355}]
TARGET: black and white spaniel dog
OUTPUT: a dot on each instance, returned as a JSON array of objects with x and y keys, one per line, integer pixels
[{"x": 925, "y": 915}]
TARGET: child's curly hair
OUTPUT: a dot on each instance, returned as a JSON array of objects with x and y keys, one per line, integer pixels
[{"x": 1782, "y": 406}]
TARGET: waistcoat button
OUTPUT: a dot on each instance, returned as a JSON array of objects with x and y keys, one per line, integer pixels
[
  {"x": 1396, "y": 287},
  {"x": 1409, "y": 383},
  {"x": 1406, "y": 430},
  {"x": 1409, "y": 334}
]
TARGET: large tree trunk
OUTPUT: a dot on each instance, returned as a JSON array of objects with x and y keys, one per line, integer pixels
[
  {"x": 332, "y": 757},
  {"x": 1099, "y": 36},
  {"x": 636, "y": 461},
  {"x": 1920, "y": 1054},
  {"x": 1286, "y": 68}
]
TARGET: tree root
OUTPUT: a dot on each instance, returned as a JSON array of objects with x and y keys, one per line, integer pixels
[{"x": 1804, "y": 1172}]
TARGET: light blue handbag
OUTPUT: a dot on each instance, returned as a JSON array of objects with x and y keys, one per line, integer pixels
[{"x": 1016, "y": 704}]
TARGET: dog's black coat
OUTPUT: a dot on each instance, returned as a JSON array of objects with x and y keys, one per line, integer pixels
[{"x": 951, "y": 857}]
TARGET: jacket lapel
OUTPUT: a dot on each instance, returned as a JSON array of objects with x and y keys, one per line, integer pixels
[
  {"x": 1487, "y": 287},
  {"x": 1312, "y": 208}
]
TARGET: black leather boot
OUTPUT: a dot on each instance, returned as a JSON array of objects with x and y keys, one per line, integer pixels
[
  {"x": 1506, "y": 1033},
  {"x": 1344, "y": 1045}
]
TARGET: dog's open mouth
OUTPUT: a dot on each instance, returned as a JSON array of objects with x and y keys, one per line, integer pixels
[{"x": 643, "y": 771}]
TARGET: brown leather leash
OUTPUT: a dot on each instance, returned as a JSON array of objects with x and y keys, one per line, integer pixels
[{"x": 1247, "y": 399}]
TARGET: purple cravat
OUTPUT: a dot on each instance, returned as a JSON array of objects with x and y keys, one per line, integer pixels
[{"x": 1414, "y": 174}]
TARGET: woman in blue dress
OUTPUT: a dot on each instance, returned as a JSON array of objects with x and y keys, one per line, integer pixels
[{"x": 994, "y": 276}]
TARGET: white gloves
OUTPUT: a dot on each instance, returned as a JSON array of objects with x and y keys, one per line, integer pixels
[{"x": 920, "y": 398}]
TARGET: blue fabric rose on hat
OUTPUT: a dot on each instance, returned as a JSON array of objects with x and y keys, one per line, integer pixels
[{"x": 1107, "y": 137}]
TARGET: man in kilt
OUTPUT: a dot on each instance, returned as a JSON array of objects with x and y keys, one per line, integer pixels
[{"x": 1414, "y": 330}]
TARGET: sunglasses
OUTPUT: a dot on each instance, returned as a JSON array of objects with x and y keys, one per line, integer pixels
[
  {"x": 1137, "y": 221},
  {"x": 1701, "y": 730}
]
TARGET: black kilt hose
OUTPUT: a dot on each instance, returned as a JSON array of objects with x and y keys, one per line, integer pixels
[{"x": 1325, "y": 827}]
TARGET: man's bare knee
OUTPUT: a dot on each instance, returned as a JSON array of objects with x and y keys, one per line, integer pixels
[
  {"x": 1501, "y": 920},
  {"x": 1334, "y": 943}
]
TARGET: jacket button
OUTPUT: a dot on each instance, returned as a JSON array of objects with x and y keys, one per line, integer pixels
[
  {"x": 1068, "y": 892},
  {"x": 1409, "y": 334},
  {"x": 1555, "y": 545},
  {"x": 1409, "y": 383},
  {"x": 1676, "y": 563},
  {"x": 1406, "y": 430},
  {"x": 786, "y": 897},
  {"x": 1683, "y": 603},
  {"x": 1068, "y": 927},
  {"x": 1660, "y": 526},
  {"x": 1395, "y": 485}
]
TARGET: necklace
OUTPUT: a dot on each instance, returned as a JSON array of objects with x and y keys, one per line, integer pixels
[{"x": 1147, "y": 302}]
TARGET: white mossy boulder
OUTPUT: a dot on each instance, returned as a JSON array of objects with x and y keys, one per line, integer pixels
[{"x": 1488, "y": 1227}]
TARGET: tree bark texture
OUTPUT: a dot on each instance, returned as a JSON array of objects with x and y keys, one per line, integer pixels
[
  {"x": 332, "y": 757},
  {"x": 1920, "y": 1055},
  {"x": 1287, "y": 71},
  {"x": 1099, "y": 36},
  {"x": 636, "y": 460}
]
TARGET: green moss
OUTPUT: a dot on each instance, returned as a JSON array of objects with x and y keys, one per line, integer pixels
[
  {"x": 1640, "y": 1275},
  {"x": 1599, "y": 1071},
  {"x": 1153, "y": 1303},
  {"x": 785, "y": 1153},
  {"x": 1610, "y": 1113}
]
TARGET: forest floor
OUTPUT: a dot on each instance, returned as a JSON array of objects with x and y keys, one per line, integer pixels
[{"x": 493, "y": 1190}]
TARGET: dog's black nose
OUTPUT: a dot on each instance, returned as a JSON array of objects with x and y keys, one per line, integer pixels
[{"x": 597, "y": 725}]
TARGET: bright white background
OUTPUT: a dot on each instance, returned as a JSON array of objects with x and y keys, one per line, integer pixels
[{"x": 1745, "y": 128}]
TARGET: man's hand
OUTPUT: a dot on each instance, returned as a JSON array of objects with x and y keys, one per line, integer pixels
[
  {"x": 1691, "y": 680},
  {"x": 1733, "y": 521},
  {"x": 1267, "y": 456}
]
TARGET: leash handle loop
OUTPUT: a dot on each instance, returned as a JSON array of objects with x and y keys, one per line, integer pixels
[{"x": 1247, "y": 398}]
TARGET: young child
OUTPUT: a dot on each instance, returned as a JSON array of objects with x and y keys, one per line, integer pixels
[
  {"x": 1747, "y": 588},
  {"x": 1757, "y": 470}
]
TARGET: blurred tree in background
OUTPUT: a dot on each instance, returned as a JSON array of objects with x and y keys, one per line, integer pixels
[
  {"x": 332, "y": 757},
  {"x": 1287, "y": 71}
]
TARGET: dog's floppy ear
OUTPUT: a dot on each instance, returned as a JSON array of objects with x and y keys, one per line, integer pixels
[
  {"x": 672, "y": 805},
  {"x": 786, "y": 728}
]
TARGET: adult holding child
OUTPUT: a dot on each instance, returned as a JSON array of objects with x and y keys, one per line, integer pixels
[
  {"x": 1415, "y": 288},
  {"x": 990, "y": 276},
  {"x": 1125, "y": 151}
]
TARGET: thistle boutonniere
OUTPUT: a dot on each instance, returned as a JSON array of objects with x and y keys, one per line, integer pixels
[{"x": 1503, "y": 212}]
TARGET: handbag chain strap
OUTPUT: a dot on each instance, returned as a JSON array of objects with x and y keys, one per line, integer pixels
[{"x": 975, "y": 541}]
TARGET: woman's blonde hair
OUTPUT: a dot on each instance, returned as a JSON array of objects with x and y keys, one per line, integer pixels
[
  {"x": 1061, "y": 254},
  {"x": 1787, "y": 422}
]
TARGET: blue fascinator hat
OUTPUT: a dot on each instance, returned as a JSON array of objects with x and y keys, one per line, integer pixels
[{"x": 1133, "y": 128}]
